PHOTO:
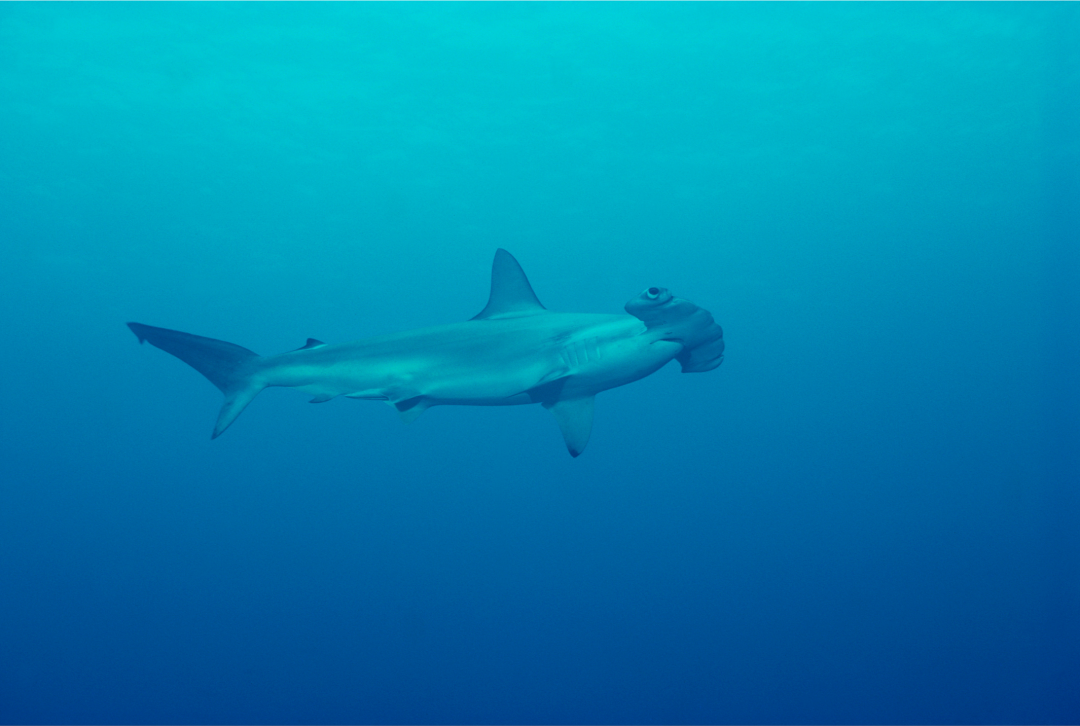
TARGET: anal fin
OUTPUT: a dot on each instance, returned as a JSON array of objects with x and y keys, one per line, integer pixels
[
  {"x": 575, "y": 417},
  {"x": 411, "y": 408}
]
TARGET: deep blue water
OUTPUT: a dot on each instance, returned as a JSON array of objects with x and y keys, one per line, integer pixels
[{"x": 869, "y": 513}]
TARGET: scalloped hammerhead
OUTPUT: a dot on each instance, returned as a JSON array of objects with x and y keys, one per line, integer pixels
[{"x": 514, "y": 352}]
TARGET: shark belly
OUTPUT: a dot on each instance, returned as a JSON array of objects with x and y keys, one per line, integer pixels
[
  {"x": 618, "y": 361},
  {"x": 477, "y": 363},
  {"x": 493, "y": 363}
]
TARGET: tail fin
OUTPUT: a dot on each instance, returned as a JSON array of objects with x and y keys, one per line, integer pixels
[{"x": 229, "y": 367}]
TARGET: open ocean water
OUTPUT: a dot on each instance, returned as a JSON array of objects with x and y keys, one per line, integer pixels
[{"x": 868, "y": 513}]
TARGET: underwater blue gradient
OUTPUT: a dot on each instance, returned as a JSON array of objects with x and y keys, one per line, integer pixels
[{"x": 868, "y": 514}]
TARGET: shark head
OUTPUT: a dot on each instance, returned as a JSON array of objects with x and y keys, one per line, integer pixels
[{"x": 681, "y": 320}]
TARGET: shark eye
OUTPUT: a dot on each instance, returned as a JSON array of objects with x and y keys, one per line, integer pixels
[{"x": 652, "y": 293}]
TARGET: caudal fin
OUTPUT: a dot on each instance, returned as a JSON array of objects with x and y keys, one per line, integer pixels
[{"x": 229, "y": 367}]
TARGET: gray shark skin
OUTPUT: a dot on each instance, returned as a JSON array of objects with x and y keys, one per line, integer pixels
[{"x": 514, "y": 352}]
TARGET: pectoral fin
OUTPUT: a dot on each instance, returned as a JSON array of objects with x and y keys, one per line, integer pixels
[{"x": 574, "y": 416}]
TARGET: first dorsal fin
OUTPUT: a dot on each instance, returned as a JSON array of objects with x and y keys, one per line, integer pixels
[{"x": 511, "y": 293}]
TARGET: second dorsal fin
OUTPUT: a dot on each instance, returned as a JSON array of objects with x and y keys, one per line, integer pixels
[
  {"x": 311, "y": 343},
  {"x": 511, "y": 293}
]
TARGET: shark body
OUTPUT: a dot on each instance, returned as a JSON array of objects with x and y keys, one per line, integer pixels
[{"x": 514, "y": 352}]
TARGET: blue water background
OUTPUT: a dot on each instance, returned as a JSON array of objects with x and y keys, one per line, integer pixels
[{"x": 869, "y": 513}]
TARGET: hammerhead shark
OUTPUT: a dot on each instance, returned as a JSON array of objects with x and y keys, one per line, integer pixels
[{"x": 513, "y": 352}]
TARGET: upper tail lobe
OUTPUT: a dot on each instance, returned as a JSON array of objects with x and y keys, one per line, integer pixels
[{"x": 231, "y": 368}]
